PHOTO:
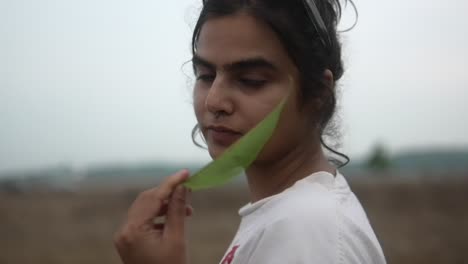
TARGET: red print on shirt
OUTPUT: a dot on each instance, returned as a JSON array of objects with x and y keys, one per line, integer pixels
[{"x": 230, "y": 256}]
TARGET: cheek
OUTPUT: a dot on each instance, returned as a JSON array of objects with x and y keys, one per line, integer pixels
[
  {"x": 289, "y": 134},
  {"x": 198, "y": 103}
]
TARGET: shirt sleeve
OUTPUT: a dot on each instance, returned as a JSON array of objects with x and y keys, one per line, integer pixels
[
  {"x": 298, "y": 241},
  {"x": 324, "y": 239}
]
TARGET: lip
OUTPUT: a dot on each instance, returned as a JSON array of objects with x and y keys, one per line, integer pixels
[
  {"x": 223, "y": 129},
  {"x": 223, "y": 136}
]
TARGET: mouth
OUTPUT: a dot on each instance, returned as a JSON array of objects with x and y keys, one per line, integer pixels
[{"x": 222, "y": 136}]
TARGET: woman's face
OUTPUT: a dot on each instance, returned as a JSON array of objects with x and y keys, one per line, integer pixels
[{"x": 242, "y": 72}]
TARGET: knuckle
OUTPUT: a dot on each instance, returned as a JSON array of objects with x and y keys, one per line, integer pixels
[
  {"x": 124, "y": 238},
  {"x": 180, "y": 198}
]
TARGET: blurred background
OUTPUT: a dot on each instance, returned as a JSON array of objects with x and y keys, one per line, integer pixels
[{"x": 95, "y": 106}]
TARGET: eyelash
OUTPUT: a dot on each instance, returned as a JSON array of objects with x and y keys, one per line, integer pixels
[
  {"x": 206, "y": 78},
  {"x": 252, "y": 82},
  {"x": 246, "y": 82}
]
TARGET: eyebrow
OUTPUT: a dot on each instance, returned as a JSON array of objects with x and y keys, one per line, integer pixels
[{"x": 243, "y": 64}]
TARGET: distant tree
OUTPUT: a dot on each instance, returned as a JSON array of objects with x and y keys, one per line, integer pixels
[
  {"x": 379, "y": 158},
  {"x": 10, "y": 186}
]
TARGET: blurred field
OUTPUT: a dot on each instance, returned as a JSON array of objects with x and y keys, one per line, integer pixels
[{"x": 415, "y": 222}]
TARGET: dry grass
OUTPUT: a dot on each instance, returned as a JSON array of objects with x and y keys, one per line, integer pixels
[{"x": 416, "y": 223}]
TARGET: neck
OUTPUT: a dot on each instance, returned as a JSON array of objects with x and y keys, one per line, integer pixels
[{"x": 267, "y": 179}]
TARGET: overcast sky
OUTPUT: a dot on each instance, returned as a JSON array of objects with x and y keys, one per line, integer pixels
[{"x": 100, "y": 81}]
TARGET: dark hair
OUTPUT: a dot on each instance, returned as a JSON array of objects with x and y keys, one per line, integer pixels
[{"x": 304, "y": 43}]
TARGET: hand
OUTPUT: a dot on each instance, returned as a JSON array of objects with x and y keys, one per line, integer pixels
[{"x": 141, "y": 241}]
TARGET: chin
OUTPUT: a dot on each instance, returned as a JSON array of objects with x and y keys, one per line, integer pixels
[{"x": 215, "y": 151}]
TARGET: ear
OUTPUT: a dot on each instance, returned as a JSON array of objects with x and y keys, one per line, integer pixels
[
  {"x": 329, "y": 83},
  {"x": 328, "y": 79},
  {"x": 317, "y": 103}
]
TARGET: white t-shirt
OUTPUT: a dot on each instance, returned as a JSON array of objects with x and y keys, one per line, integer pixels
[{"x": 318, "y": 220}]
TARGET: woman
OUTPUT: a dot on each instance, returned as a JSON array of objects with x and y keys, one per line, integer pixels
[{"x": 248, "y": 55}]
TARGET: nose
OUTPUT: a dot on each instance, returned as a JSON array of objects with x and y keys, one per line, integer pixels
[{"x": 218, "y": 99}]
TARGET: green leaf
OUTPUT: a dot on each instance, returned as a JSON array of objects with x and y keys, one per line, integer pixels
[{"x": 238, "y": 157}]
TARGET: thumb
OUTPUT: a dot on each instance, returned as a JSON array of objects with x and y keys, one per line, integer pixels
[{"x": 176, "y": 214}]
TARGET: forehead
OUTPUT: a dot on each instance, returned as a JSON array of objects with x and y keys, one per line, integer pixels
[{"x": 227, "y": 39}]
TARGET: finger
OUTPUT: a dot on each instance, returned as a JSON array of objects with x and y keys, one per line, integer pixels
[
  {"x": 163, "y": 211},
  {"x": 166, "y": 188},
  {"x": 175, "y": 220},
  {"x": 189, "y": 210},
  {"x": 159, "y": 226},
  {"x": 149, "y": 203}
]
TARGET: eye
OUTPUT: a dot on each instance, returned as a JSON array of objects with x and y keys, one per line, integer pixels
[
  {"x": 253, "y": 83},
  {"x": 206, "y": 78}
]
